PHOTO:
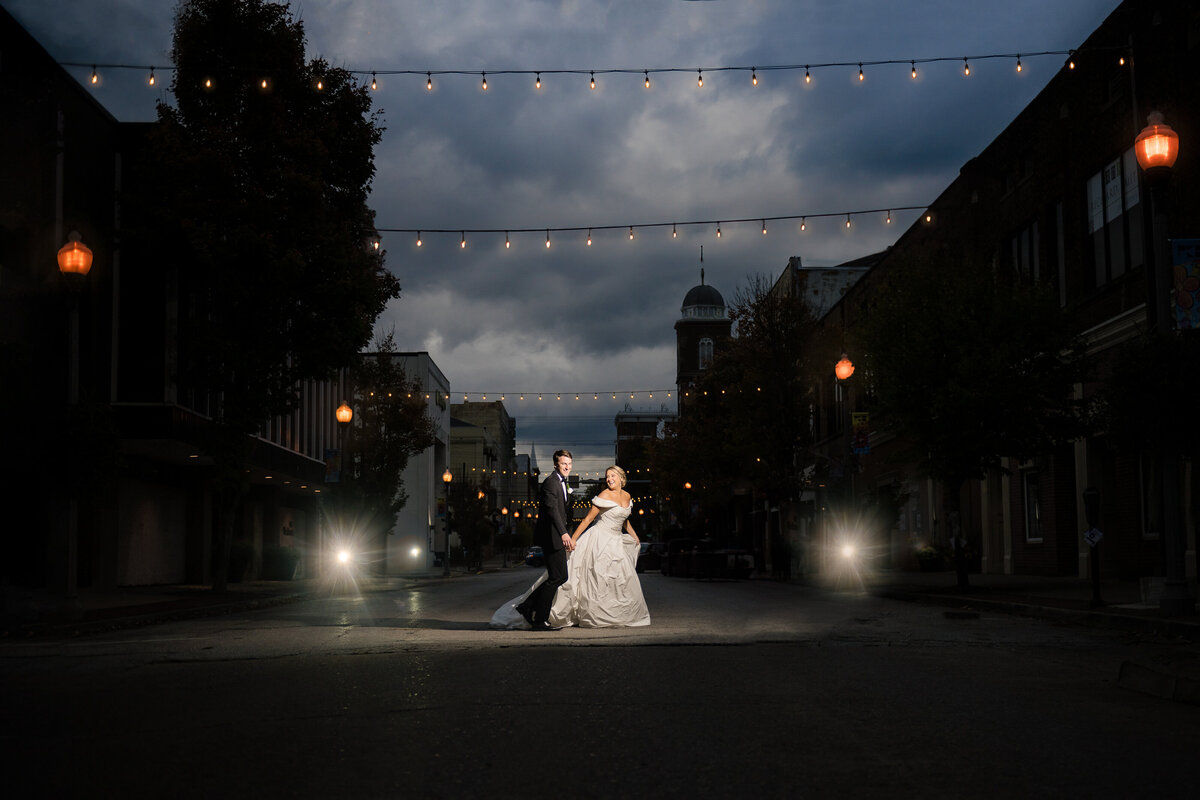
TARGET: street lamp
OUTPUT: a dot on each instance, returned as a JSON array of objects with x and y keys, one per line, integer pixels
[
  {"x": 844, "y": 368},
  {"x": 446, "y": 478},
  {"x": 504, "y": 521},
  {"x": 1157, "y": 147}
]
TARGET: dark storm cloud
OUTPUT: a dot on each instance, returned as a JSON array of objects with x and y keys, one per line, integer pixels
[{"x": 601, "y": 318}]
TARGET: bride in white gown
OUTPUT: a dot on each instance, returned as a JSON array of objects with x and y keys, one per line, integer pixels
[{"x": 602, "y": 588}]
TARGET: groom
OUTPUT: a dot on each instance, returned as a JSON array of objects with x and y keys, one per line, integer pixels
[{"x": 551, "y": 533}]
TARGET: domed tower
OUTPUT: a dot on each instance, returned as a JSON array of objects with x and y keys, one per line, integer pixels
[{"x": 699, "y": 332}]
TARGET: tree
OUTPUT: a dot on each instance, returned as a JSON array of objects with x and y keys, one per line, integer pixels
[
  {"x": 261, "y": 178},
  {"x": 388, "y": 428},
  {"x": 746, "y": 418},
  {"x": 472, "y": 521},
  {"x": 969, "y": 366}
]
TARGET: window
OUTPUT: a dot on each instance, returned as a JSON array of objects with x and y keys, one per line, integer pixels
[
  {"x": 1114, "y": 216},
  {"x": 1033, "y": 505},
  {"x": 1023, "y": 252},
  {"x": 706, "y": 352}
]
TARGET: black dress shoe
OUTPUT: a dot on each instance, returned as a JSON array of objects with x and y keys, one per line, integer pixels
[
  {"x": 525, "y": 612},
  {"x": 544, "y": 626}
]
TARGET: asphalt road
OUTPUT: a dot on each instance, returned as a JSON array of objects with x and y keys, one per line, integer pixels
[{"x": 736, "y": 689}]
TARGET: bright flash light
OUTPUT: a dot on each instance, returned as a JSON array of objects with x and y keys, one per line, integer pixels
[
  {"x": 848, "y": 551},
  {"x": 416, "y": 551},
  {"x": 343, "y": 556}
]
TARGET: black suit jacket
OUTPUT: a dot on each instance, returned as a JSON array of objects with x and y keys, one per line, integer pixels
[{"x": 552, "y": 515}]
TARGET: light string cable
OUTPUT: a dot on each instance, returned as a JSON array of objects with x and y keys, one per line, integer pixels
[
  {"x": 760, "y": 220},
  {"x": 643, "y": 73}
]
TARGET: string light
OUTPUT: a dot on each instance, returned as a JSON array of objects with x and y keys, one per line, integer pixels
[
  {"x": 699, "y": 79},
  {"x": 547, "y": 240},
  {"x": 914, "y": 69},
  {"x": 507, "y": 245},
  {"x": 753, "y": 76},
  {"x": 95, "y": 76},
  {"x": 320, "y": 85},
  {"x": 463, "y": 244},
  {"x": 966, "y": 69},
  {"x": 847, "y": 221},
  {"x": 593, "y": 80},
  {"x": 861, "y": 77},
  {"x": 647, "y": 78},
  {"x": 374, "y": 83},
  {"x": 428, "y": 81},
  {"x": 263, "y": 84},
  {"x": 150, "y": 82},
  {"x": 537, "y": 84},
  {"x": 807, "y": 76},
  {"x": 764, "y": 224},
  {"x": 1019, "y": 62},
  {"x": 631, "y": 229},
  {"x": 208, "y": 83},
  {"x": 484, "y": 74}
]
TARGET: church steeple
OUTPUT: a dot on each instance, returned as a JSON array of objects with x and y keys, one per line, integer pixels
[{"x": 704, "y": 323}]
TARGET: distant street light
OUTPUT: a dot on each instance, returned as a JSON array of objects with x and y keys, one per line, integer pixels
[
  {"x": 446, "y": 478},
  {"x": 844, "y": 368}
]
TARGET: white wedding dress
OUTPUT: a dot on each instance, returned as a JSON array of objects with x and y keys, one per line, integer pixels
[{"x": 602, "y": 588}]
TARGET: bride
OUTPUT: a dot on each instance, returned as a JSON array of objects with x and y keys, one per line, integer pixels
[{"x": 602, "y": 588}]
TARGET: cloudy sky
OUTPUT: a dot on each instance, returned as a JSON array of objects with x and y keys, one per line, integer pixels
[{"x": 578, "y": 319}]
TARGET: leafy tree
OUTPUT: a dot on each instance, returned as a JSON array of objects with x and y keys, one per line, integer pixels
[
  {"x": 388, "y": 428},
  {"x": 261, "y": 180},
  {"x": 968, "y": 366},
  {"x": 470, "y": 513},
  {"x": 746, "y": 418}
]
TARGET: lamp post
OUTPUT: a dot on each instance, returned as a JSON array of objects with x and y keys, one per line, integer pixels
[
  {"x": 446, "y": 478},
  {"x": 74, "y": 263},
  {"x": 504, "y": 546},
  {"x": 343, "y": 414},
  {"x": 1157, "y": 147}
]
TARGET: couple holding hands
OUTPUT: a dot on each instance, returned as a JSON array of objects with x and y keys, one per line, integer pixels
[{"x": 591, "y": 576}]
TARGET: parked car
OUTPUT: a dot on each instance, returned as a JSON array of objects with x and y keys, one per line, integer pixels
[
  {"x": 534, "y": 557},
  {"x": 650, "y": 556}
]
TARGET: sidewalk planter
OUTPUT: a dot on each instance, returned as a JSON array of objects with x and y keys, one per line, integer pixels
[{"x": 279, "y": 563}]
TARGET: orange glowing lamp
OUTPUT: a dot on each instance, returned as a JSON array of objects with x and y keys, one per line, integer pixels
[
  {"x": 1157, "y": 145},
  {"x": 344, "y": 413},
  {"x": 844, "y": 368},
  {"x": 74, "y": 257}
]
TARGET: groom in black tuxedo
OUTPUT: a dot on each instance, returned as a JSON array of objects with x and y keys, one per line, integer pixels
[{"x": 551, "y": 534}]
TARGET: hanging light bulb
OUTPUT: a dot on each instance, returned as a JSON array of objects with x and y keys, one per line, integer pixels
[
  {"x": 547, "y": 240},
  {"x": 375, "y": 244},
  {"x": 589, "y": 239},
  {"x": 914, "y": 69},
  {"x": 861, "y": 77},
  {"x": 1018, "y": 62},
  {"x": 593, "y": 79},
  {"x": 674, "y": 233},
  {"x": 463, "y": 243},
  {"x": 263, "y": 84},
  {"x": 208, "y": 83},
  {"x": 537, "y": 84},
  {"x": 753, "y": 76},
  {"x": 847, "y": 221},
  {"x": 803, "y": 223},
  {"x": 807, "y": 77},
  {"x": 374, "y": 83},
  {"x": 929, "y": 217},
  {"x": 484, "y": 74},
  {"x": 95, "y": 76},
  {"x": 419, "y": 242},
  {"x": 889, "y": 217},
  {"x": 966, "y": 69},
  {"x": 1121, "y": 61},
  {"x": 507, "y": 244},
  {"x": 699, "y": 79},
  {"x": 320, "y": 85},
  {"x": 764, "y": 223},
  {"x": 631, "y": 233},
  {"x": 150, "y": 82},
  {"x": 429, "y": 81},
  {"x": 647, "y": 73},
  {"x": 718, "y": 230}
]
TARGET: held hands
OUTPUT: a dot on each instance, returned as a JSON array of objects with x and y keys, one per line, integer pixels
[{"x": 568, "y": 542}]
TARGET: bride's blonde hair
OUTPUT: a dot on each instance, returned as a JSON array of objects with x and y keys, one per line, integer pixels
[{"x": 620, "y": 472}]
